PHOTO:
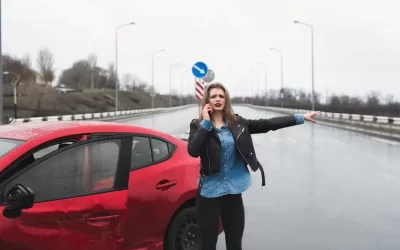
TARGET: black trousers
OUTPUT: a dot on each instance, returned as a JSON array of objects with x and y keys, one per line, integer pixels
[{"x": 231, "y": 210}]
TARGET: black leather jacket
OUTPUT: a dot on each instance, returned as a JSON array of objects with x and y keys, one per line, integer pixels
[{"x": 206, "y": 144}]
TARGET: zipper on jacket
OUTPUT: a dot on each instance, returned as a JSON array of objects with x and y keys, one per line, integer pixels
[
  {"x": 241, "y": 131},
  {"x": 209, "y": 163}
]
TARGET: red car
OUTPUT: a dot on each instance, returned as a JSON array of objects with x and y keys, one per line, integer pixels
[{"x": 95, "y": 185}]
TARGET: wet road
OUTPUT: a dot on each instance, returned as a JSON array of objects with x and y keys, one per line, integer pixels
[{"x": 326, "y": 188}]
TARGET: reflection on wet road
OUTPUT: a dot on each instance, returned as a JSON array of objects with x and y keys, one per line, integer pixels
[{"x": 326, "y": 188}]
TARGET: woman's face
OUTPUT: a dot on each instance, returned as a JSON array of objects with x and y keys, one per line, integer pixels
[{"x": 217, "y": 99}]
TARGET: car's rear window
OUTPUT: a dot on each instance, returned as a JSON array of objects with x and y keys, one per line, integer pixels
[{"x": 6, "y": 145}]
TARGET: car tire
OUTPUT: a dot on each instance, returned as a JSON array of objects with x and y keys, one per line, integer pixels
[{"x": 184, "y": 233}]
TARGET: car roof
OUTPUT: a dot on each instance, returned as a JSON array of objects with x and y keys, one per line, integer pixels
[{"x": 29, "y": 130}]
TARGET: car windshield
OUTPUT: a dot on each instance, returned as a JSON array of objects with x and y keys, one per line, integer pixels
[{"x": 6, "y": 145}]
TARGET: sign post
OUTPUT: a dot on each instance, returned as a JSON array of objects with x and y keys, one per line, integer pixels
[{"x": 199, "y": 70}]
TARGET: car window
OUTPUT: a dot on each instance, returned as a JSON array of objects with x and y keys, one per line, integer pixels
[
  {"x": 72, "y": 172},
  {"x": 160, "y": 149},
  {"x": 104, "y": 159},
  {"x": 171, "y": 148},
  {"x": 6, "y": 145},
  {"x": 141, "y": 152},
  {"x": 47, "y": 150}
]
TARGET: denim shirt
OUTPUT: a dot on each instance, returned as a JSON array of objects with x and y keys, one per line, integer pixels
[{"x": 234, "y": 177}]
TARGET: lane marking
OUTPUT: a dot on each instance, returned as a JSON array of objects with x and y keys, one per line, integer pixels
[
  {"x": 335, "y": 140},
  {"x": 292, "y": 140},
  {"x": 390, "y": 177},
  {"x": 273, "y": 139},
  {"x": 256, "y": 143},
  {"x": 385, "y": 141}
]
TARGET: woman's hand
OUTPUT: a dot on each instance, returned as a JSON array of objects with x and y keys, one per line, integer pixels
[
  {"x": 309, "y": 116},
  {"x": 207, "y": 108}
]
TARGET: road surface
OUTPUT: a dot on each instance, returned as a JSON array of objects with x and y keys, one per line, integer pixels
[{"x": 326, "y": 188}]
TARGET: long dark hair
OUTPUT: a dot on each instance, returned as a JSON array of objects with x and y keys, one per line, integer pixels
[{"x": 228, "y": 111}]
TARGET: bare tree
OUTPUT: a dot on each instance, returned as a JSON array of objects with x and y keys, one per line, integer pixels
[
  {"x": 389, "y": 99},
  {"x": 92, "y": 61},
  {"x": 26, "y": 61},
  {"x": 127, "y": 80},
  {"x": 45, "y": 63}
]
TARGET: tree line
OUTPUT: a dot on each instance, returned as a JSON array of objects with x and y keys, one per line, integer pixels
[
  {"x": 373, "y": 103},
  {"x": 87, "y": 74},
  {"x": 23, "y": 67},
  {"x": 82, "y": 74}
]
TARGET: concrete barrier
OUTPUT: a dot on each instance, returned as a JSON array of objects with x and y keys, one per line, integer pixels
[{"x": 99, "y": 116}]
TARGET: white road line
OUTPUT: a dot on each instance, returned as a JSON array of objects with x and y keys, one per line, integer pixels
[
  {"x": 274, "y": 139},
  {"x": 391, "y": 177},
  {"x": 256, "y": 143},
  {"x": 385, "y": 141},
  {"x": 291, "y": 139}
]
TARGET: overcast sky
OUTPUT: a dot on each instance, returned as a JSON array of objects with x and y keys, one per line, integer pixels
[{"x": 357, "y": 43}]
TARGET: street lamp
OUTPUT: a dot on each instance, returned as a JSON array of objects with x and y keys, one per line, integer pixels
[
  {"x": 266, "y": 85},
  {"x": 249, "y": 85},
  {"x": 312, "y": 61},
  {"x": 281, "y": 53},
  {"x": 15, "y": 83},
  {"x": 116, "y": 63},
  {"x": 170, "y": 82},
  {"x": 152, "y": 77},
  {"x": 182, "y": 75},
  {"x": 257, "y": 94}
]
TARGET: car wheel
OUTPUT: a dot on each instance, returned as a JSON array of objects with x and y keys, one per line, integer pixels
[{"x": 184, "y": 233}]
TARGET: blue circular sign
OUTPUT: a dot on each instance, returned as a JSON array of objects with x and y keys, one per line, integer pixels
[{"x": 199, "y": 69}]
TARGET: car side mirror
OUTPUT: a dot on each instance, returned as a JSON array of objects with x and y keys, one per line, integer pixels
[{"x": 17, "y": 198}]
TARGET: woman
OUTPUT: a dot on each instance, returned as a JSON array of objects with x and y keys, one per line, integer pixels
[{"x": 223, "y": 142}]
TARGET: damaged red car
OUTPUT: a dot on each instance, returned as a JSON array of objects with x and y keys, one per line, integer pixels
[{"x": 95, "y": 185}]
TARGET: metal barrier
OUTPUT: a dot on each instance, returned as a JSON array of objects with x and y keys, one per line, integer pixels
[
  {"x": 342, "y": 116},
  {"x": 370, "y": 122},
  {"x": 96, "y": 116}
]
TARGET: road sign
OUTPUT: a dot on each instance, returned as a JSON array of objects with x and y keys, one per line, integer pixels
[
  {"x": 199, "y": 90},
  {"x": 210, "y": 76},
  {"x": 199, "y": 69}
]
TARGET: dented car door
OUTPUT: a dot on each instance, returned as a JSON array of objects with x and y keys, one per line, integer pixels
[{"x": 80, "y": 198}]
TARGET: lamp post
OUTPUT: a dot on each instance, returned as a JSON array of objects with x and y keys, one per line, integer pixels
[
  {"x": 116, "y": 63},
  {"x": 15, "y": 83},
  {"x": 312, "y": 62},
  {"x": 281, "y": 93},
  {"x": 152, "y": 77},
  {"x": 249, "y": 90},
  {"x": 257, "y": 93},
  {"x": 266, "y": 84},
  {"x": 182, "y": 75},
  {"x": 170, "y": 82}
]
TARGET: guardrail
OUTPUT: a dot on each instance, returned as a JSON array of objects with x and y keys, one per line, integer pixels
[
  {"x": 95, "y": 116},
  {"x": 383, "y": 124}
]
